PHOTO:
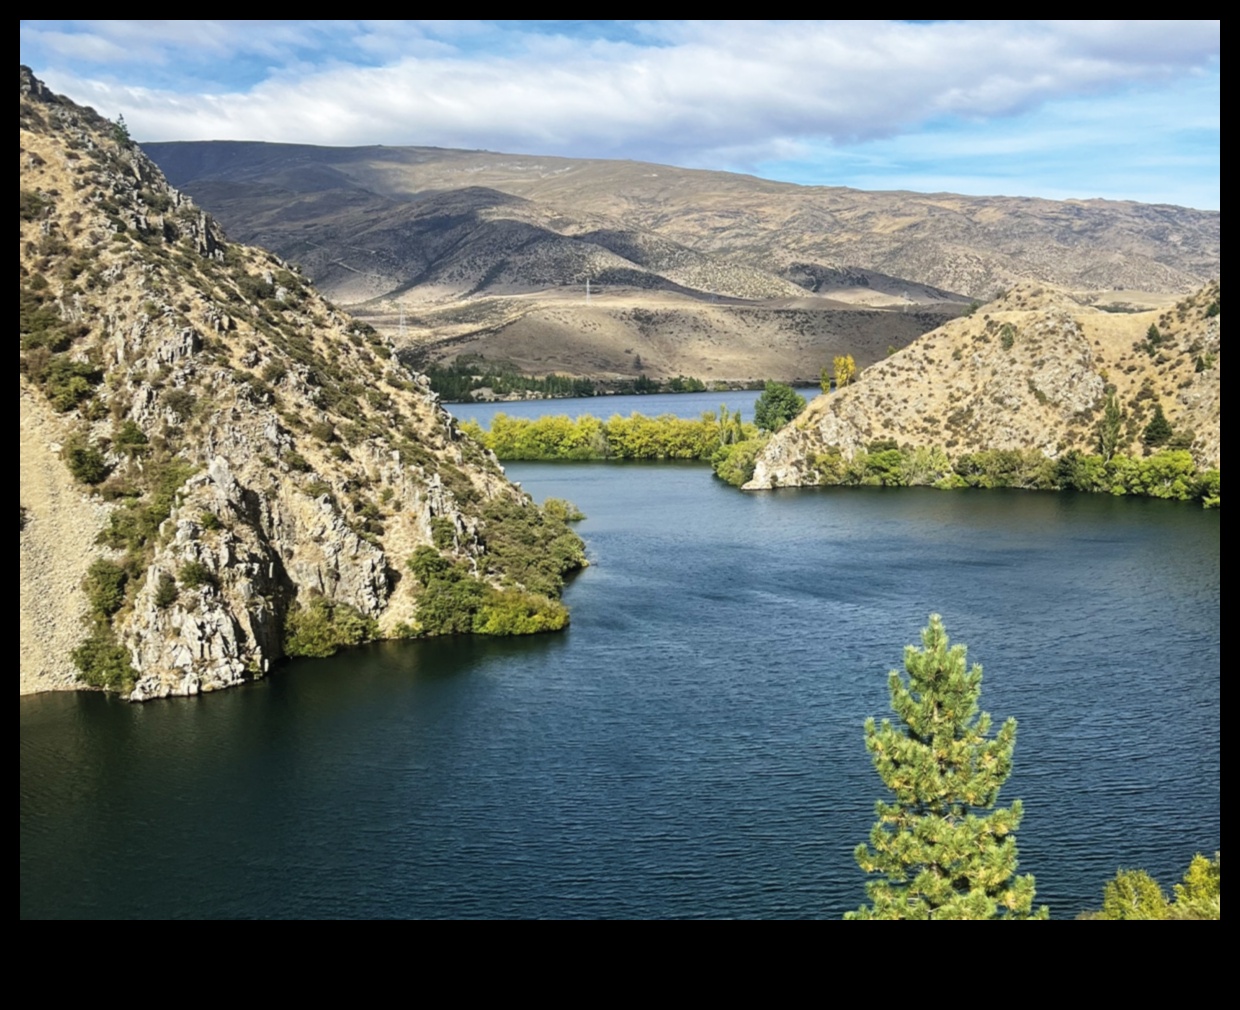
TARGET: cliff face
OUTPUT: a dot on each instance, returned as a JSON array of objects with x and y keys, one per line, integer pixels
[
  {"x": 1031, "y": 370},
  {"x": 208, "y": 446}
]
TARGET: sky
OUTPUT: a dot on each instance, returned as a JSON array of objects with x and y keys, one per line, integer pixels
[{"x": 1124, "y": 110}]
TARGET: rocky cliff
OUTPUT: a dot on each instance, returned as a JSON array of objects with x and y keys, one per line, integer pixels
[
  {"x": 1032, "y": 370},
  {"x": 212, "y": 454}
]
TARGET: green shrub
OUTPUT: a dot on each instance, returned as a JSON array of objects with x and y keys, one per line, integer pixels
[
  {"x": 104, "y": 662},
  {"x": 735, "y": 463},
  {"x": 85, "y": 462},
  {"x": 296, "y": 461},
  {"x": 105, "y": 587},
  {"x": 324, "y": 626},
  {"x": 194, "y": 574},
  {"x": 443, "y": 533},
  {"x": 166, "y": 591}
]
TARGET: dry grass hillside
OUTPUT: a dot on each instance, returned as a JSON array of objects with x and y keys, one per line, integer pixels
[
  {"x": 621, "y": 334},
  {"x": 211, "y": 452},
  {"x": 971, "y": 245},
  {"x": 1030, "y": 370}
]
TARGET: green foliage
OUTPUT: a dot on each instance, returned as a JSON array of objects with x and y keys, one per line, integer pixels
[
  {"x": 64, "y": 381},
  {"x": 1022, "y": 468},
  {"x": 1158, "y": 431},
  {"x": 634, "y": 437},
  {"x": 1200, "y": 894},
  {"x": 562, "y": 511},
  {"x": 130, "y": 439},
  {"x": 453, "y": 601},
  {"x": 1110, "y": 426},
  {"x": 120, "y": 132},
  {"x": 85, "y": 462},
  {"x": 166, "y": 591},
  {"x": 103, "y": 662},
  {"x": 845, "y": 370},
  {"x": 30, "y": 205},
  {"x": 324, "y": 626},
  {"x": 137, "y": 523},
  {"x": 1153, "y": 340},
  {"x": 194, "y": 574},
  {"x": 939, "y": 858},
  {"x": 777, "y": 405},
  {"x": 456, "y": 382},
  {"x": 531, "y": 547},
  {"x": 1135, "y": 895},
  {"x": 1007, "y": 336},
  {"x": 735, "y": 463},
  {"x": 297, "y": 462},
  {"x": 443, "y": 533},
  {"x": 105, "y": 587}
]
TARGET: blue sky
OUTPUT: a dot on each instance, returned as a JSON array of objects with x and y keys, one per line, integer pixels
[{"x": 1061, "y": 109}]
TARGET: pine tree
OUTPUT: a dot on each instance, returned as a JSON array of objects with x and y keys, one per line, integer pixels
[
  {"x": 1159, "y": 430},
  {"x": 939, "y": 857}
]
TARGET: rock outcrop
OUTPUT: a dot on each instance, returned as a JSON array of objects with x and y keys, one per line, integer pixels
[{"x": 238, "y": 447}]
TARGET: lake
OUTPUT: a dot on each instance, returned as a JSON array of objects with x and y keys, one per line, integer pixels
[{"x": 692, "y": 746}]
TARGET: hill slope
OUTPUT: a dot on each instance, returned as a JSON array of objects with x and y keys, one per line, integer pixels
[
  {"x": 251, "y": 468},
  {"x": 971, "y": 245},
  {"x": 1029, "y": 371}
]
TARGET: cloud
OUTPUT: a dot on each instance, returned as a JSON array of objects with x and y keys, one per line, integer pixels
[{"x": 682, "y": 92}]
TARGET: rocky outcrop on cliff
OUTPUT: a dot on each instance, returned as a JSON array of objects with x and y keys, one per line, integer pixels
[
  {"x": 224, "y": 447},
  {"x": 1031, "y": 370}
]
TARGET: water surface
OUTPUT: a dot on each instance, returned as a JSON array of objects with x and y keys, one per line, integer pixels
[{"x": 692, "y": 746}]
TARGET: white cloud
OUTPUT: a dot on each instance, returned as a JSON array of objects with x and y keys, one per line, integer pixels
[{"x": 703, "y": 89}]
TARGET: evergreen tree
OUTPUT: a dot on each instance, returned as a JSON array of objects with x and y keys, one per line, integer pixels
[
  {"x": 1158, "y": 431},
  {"x": 777, "y": 405},
  {"x": 939, "y": 858}
]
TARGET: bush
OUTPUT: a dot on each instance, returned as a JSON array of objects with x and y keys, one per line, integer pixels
[
  {"x": 443, "y": 533},
  {"x": 130, "y": 439},
  {"x": 194, "y": 574},
  {"x": 324, "y": 626},
  {"x": 105, "y": 587},
  {"x": 103, "y": 662},
  {"x": 166, "y": 591},
  {"x": 85, "y": 462}
]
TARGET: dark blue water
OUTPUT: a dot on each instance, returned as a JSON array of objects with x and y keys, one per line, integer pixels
[{"x": 692, "y": 746}]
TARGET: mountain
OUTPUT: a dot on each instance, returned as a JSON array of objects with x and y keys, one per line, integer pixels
[
  {"x": 710, "y": 274},
  {"x": 1030, "y": 371},
  {"x": 970, "y": 245},
  {"x": 219, "y": 467}
]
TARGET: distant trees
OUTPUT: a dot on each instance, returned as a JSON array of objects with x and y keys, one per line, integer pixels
[
  {"x": 845, "y": 369},
  {"x": 1110, "y": 426},
  {"x": 777, "y": 405},
  {"x": 939, "y": 858}
]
